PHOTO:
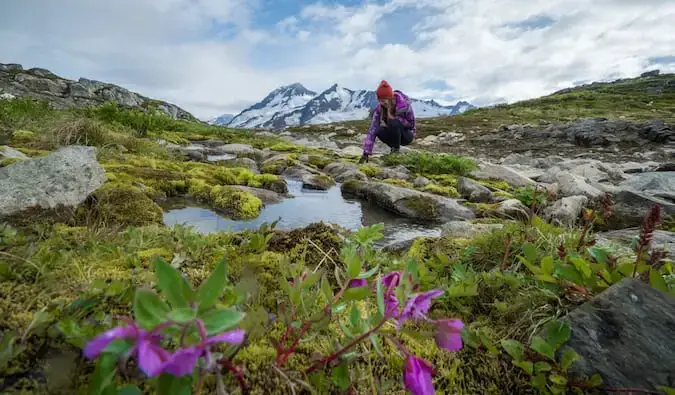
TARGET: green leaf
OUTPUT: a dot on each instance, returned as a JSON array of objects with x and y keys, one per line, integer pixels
[
  {"x": 626, "y": 269},
  {"x": 380, "y": 296},
  {"x": 375, "y": 340},
  {"x": 569, "y": 273},
  {"x": 149, "y": 309},
  {"x": 462, "y": 290},
  {"x": 129, "y": 390},
  {"x": 312, "y": 278},
  {"x": 172, "y": 284},
  {"x": 595, "y": 380},
  {"x": 118, "y": 347},
  {"x": 220, "y": 320},
  {"x": 354, "y": 267},
  {"x": 340, "y": 375},
  {"x": 369, "y": 273},
  {"x": 339, "y": 307},
  {"x": 515, "y": 349},
  {"x": 212, "y": 288},
  {"x": 168, "y": 384},
  {"x": 103, "y": 375},
  {"x": 657, "y": 281},
  {"x": 539, "y": 345},
  {"x": 557, "y": 379},
  {"x": 355, "y": 316},
  {"x": 488, "y": 343},
  {"x": 558, "y": 332},
  {"x": 326, "y": 290},
  {"x": 568, "y": 358},
  {"x": 539, "y": 381},
  {"x": 667, "y": 390},
  {"x": 531, "y": 266},
  {"x": 599, "y": 254},
  {"x": 346, "y": 330},
  {"x": 530, "y": 252},
  {"x": 581, "y": 265},
  {"x": 542, "y": 367},
  {"x": 547, "y": 265},
  {"x": 527, "y": 366},
  {"x": 353, "y": 294},
  {"x": 182, "y": 315}
]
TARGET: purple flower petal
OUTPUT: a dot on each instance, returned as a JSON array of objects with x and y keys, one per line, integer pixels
[
  {"x": 418, "y": 305},
  {"x": 150, "y": 357},
  {"x": 391, "y": 279},
  {"x": 448, "y": 335},
  {"x": 100, "y": 342},
  {"x": 417, "y": 376},
  {"x": 233, "y": 337},
  {"x": 357, "y": 282},
  {"x": 182, "y": 362},
  {"x": 391, "y": 304}
]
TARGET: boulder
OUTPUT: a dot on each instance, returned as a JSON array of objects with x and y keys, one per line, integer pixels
[
  {"x": 467, "y": 230},
  {"x": 299, "y": 171},
  {"x": 7, "y": 152},
  {"x": 625, "y": 334},
  {"x": 473, "y": 191},
  {"x": 661, "y": 239},
  {"x": 342, "y": 172},
  {"x": 512, "y": 209},
  {"x": 566, "y": 211},
  {"x": 421, "y": 182},
  {"x": 408, "y": 203},
  {"x": 630, "y": 207},
  {"x": 661, "y": 184},
  {"x": 233, "y": 149},
  {"x": 498, "y": 172},
  {"x": 397, "y": 173},
  {"x": 351, "y": 150},
  {"x": 399, "y": 247},
  {"x": 63, "y": 178},
  {"x": 588, "y": 169},
  {"x": 318, "y": 182},
  {"x": 267, "y": 196},
  {"x": 246, "y": 163},
  {"x": 573, "y": 185}
]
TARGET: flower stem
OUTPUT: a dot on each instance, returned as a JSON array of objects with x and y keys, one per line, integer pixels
[
  {"x": 290, "y": 349},
  {"x": 346, "y": 348},
  {"x": 236, "y": 372}
]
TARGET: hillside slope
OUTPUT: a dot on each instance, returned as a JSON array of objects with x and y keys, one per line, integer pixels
[{"x": 63, "y": 93}]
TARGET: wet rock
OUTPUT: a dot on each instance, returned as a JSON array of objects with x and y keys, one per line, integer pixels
[
  {"x": 512, "y": 209},
  {"x": 498, "y": 172},
  {"x": 408, "y": 203},
  {"x": 7, "y": 152},
  {"x": 318, "y": 182},
  {"x": 421, "y": 182},
  {"x": 342, "y": 172},
  {"x": 661, "y": 239},
  {"x": 63, "y": 178},
  {"x": 624, "y": 334},
  {"x": 399, "y": 247},
  {"x": 473, "y": 191},
  {"x": 467, "y": 230},
  {"x": 566, "y": 211},
  {"x": 397, "y": 173},
  {"x": 267, "y": 196},
  {"x": 630, "y": 207}
]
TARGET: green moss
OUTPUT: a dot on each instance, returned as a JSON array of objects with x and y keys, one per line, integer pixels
[
  {"x": 286, "y": 147},
  {"x": 33, "y": 153},
  {"x": 483, "y": 209},
  {"x": 397, "y": 182},
  {"x": 9, "y": 161},
  {"x": 370, "y": 170},
  {"x": 443, "y": 179},
  {"x": 231, "y": 201},
  {"x": 424, "y": 206},
  {"x": 496, "y": 185},
  {"x": 319, "y": 161},
  {"x": 442, "y": 190},
  {"x": 321, "y": 182},
  {"x": 124, "y": 205},
  {"x": 23, "y": 137}
]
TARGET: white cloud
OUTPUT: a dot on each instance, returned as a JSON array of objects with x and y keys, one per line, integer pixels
[{"x": 211, "y": 56}]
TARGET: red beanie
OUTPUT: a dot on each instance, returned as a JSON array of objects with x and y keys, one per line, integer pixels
[{"x": 384, "y": 91}]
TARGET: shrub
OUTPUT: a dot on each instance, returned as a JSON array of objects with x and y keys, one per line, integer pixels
[{"x": 430, "y": 163}]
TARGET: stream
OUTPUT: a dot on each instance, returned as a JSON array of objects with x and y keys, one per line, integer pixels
[{"x": 304, "y": 208}]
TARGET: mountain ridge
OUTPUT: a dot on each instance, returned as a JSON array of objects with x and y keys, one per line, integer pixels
[{"x": 294, "y": 105}]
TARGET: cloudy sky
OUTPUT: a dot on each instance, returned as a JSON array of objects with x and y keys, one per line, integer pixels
[{"x": 217, "y": 56}]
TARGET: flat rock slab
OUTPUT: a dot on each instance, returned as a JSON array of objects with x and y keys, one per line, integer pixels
[
  {"x": 498, "y": 172},
  {"x": 626, "y": 335},
  {"x": 63, "y": 178}
]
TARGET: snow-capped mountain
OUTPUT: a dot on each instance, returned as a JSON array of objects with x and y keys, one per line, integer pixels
[
  {"x": 221, "y": 120},
  {"x": 296, "y": 105}
]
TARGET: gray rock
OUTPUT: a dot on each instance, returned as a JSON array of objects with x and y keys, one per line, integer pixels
[
  {"x": 299, "y": 171},
  {"x": 656, "y": 183},
  {"x": 421, "y": 182},
  {"x": 7, "y": 152},
  {"x": 246, "y": 163},
  {"x": 233, "y": 149},
  {"x": 473, "y": 191},
  {"x": 661, "y": 239},
  {"x": 65, "y": 177},
  {"x": 397, "y": 173},
  {"x": 512, "y": 209},
  {"x": 399, "y": 247},
  {"x": 342, "y": 172},
  {"x": 630, "y": 208},
  {"x": 408, "y": 203},
  {"x": 318, "y": 182},
  {"x": 588, "y": 169},
  {"x": 267, "y": 196},
  {"x": 573, "y": 185},
  {"x": 467, "y": 230},
  {"x": 566, "y": 211},
  {"x": 498, "y": 172},
  {"x": 351, "y": 150},
  {"x": 625, "y": 334}
]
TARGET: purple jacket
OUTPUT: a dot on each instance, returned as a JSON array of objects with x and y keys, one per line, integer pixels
[{"x": 404, "y": 113}]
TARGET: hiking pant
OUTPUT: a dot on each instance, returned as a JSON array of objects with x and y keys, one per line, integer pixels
[{"x": 395, "y": 134}]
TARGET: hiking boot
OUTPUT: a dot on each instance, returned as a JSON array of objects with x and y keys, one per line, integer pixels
[{"x": 395, "y": 151}]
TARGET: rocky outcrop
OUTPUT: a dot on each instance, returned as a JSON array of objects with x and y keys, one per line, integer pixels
[
  {"x": 10, "y": 153},
  {"x": 42, "y": 84},
  {"x": 318, "y": 182},
  {"x": 630, "y": 208},
  {"x": 625, "y": 335},
  {"x": 408, "y": 203},
  {"x": 267, "y": 196},
  {"x": 342, "y": 172},
  {"x": 473, "y": 191},
  {"x": 512, "y": 209},
  {"x": 661, "y": 239},
  {"x": 659, "y": 184},
  {"x": 566, "y": 211},
  {"x": 467, "y": 230},
  {"x": 421, "y": 182},
  {"x": 63, "y": 178},
  {"x": 396, "y": 173},
  {"x": 498, "y": 172}
]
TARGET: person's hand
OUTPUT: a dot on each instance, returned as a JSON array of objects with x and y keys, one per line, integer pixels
[{"x": 364, "y": 158}]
